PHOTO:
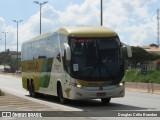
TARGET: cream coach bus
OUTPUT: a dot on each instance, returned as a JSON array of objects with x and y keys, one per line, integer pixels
[{"x": 81, "y": 62}]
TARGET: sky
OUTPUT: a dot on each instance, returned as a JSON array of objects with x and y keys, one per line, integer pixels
[{"x": 135, "y": 21}]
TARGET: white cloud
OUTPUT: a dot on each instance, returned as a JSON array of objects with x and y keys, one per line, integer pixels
[
  {"x": 133, "y": 20},
  {"x": 2, "y": 23},
  {"x": 31, "y": 28},
  {"x": 83, "y": 14},
  {"x": 9, "y": 37}
]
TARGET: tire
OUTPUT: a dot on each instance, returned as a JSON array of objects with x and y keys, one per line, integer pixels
[
  {"x": 60, "y": 95},
  {"x": 105, "y": 100},
  {"x": 30, "y": 88},
  {"x": 28, "y": 85},
  {"x": 32, "y": 92}
]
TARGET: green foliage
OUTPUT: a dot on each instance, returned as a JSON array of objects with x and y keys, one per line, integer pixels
[
  {"x": 13, "y": 65},
  {"x": 135, "y": 75},
  {"x": 5, "y": 58},
  {"x": 139, "y": 55},
  {"x": 154, "y": 45}
]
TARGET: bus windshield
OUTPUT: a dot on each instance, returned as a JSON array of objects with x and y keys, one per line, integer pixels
[{"x": 95, "y": 58}]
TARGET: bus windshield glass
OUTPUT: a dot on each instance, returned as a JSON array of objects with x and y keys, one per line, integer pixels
[{"x": 95, "y": 58}]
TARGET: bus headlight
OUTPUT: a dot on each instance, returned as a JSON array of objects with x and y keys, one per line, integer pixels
[
  {"x": 78, "y": 86},
  {"x": 121, "y": 84}
]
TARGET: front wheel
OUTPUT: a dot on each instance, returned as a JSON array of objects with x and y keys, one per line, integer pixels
[
  {"x": 105, "y": 100},
  {"x": 60, "y": 95}
]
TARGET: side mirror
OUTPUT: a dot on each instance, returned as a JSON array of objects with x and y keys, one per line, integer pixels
[
  {"x": 129, "y": 50},
  {"x": 68, "y": 51}
]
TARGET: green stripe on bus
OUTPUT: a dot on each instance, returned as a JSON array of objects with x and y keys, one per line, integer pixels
[{"x": 46, "y": 72}]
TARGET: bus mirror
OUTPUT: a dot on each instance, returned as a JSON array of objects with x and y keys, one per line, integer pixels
[
  {"x": 129, "y": 50},
  {"x": 68, "y": 51}
]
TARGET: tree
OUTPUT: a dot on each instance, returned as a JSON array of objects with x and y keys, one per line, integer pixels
[
  {"x": 5, "y": 59},
  {"x": 139, "y": 55},
  {"x": 13, "y": 65},
  {"x": 153, "y": 45}
]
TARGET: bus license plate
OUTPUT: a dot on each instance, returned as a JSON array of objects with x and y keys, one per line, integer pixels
[{"x": 101, "y": 94}]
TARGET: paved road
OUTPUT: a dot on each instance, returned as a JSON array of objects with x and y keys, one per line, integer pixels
[{"x": 132, "y": 101}]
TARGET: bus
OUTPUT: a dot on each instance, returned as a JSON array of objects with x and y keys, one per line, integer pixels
[{"x": 74, "y": 63}]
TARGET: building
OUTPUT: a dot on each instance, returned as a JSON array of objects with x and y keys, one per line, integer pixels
[
  {"x": 153, "y": 49},
  {"x": 14, "y": 55}
]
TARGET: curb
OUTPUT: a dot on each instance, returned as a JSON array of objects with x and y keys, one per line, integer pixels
[{"x": 143, "y": 87}]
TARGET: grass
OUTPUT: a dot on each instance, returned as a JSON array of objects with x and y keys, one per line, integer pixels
[
  {"x": 135, "y": 75},
  {"x": 1, "y": 93}
]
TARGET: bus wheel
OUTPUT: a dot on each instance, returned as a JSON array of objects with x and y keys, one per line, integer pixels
[
  {"x": 31, "y": 89},
  {"x": 105, "y": 100},
  {"x": 60, "y": 95}
]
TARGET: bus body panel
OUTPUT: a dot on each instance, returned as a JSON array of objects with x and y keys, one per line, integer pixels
[{"x": 95, "y": 93}]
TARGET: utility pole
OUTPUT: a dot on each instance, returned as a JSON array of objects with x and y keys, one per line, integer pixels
[
  {"x": 5, "y": 39},
  {"x": 101, "y": 12},
  {"x": 5, "y": 47},
  {"x": 40, "y": 4},
  {"x": 158, "y": 27},
  {"x": 17, "y": 38}
]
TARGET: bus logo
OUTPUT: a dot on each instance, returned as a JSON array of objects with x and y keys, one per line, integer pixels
[{"x": 100, "y": 88}]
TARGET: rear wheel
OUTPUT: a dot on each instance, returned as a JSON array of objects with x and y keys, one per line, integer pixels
[
  {"x": 32, "y": 92},
  {"x": 60, "y": 95},
  {"x": 105, "y": 100},
  {"x": 30, "y": 88}
]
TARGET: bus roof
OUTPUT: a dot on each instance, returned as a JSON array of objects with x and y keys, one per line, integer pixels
[
  {"x": 79, "y": 31},
  {"x": 87, "y": 31},
  {"x": 39, "y": 37}
]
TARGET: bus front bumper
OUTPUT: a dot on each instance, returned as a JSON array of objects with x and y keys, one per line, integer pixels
[{"x": 97, "y": 92}]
